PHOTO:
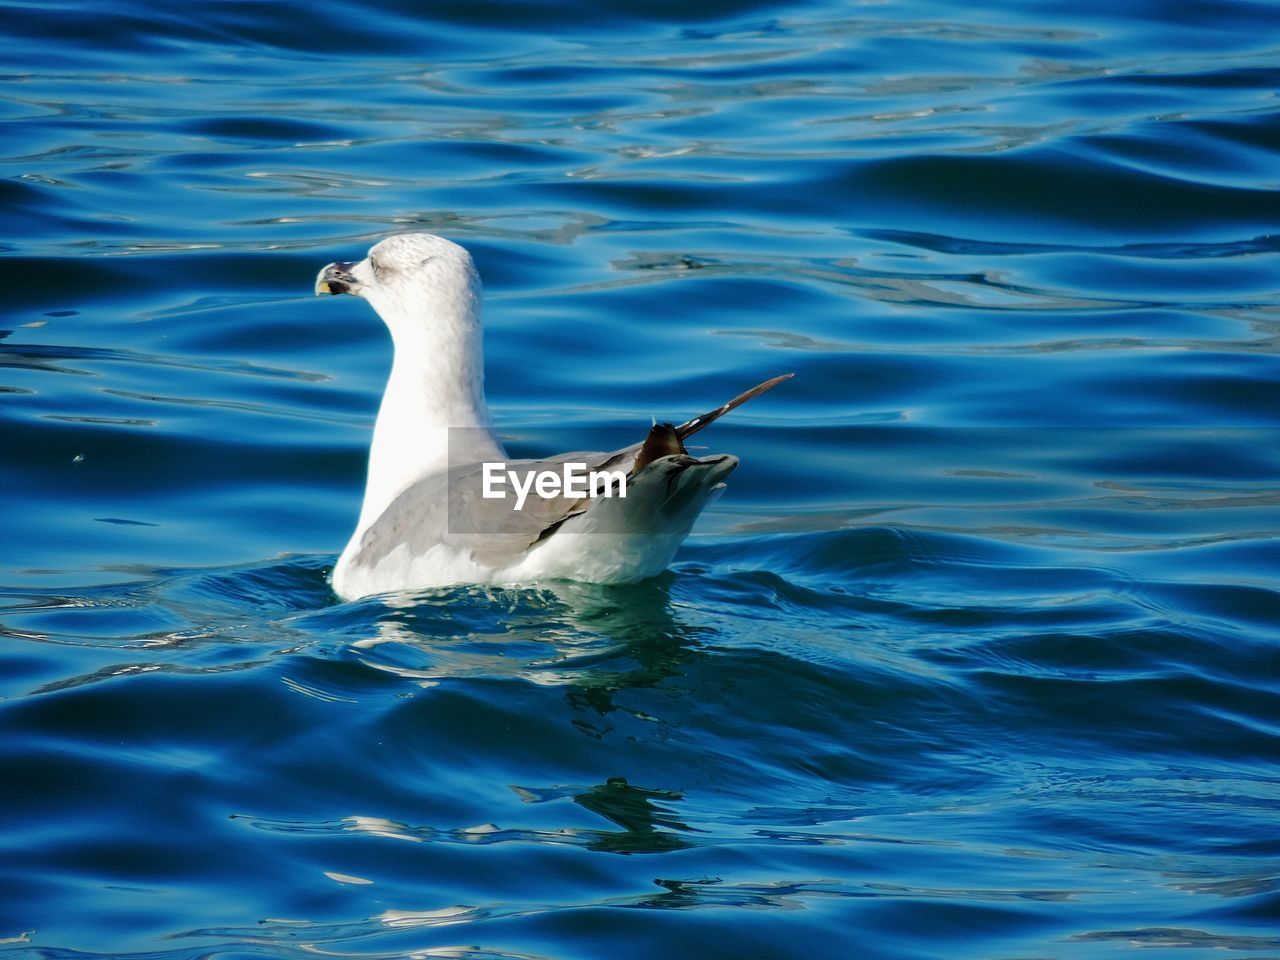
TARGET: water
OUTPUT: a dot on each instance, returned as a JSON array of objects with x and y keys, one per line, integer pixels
[{"x": 978, "y": 655}]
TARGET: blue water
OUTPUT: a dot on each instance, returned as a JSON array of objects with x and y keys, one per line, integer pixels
[{"x": 979, "y": 656}]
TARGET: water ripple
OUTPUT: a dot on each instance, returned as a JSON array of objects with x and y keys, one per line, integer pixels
[{"x": 975, "y": 655}]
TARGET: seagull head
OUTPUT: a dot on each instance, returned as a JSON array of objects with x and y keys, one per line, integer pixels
[{"x": 410, "y": 276}]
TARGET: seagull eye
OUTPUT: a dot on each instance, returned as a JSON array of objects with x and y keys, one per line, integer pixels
[
  {"x": 425, "y": 260},
  {"x": 376, "y": 267}
]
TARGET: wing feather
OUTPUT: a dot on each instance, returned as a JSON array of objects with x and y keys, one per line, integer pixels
[{"x": 451, "y": 508}]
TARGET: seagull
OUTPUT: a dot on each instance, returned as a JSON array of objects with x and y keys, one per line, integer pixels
[{"x": 442, "y": 500}]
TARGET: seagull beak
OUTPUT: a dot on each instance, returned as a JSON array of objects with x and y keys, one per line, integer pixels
[{"x": 336, "y": 278}]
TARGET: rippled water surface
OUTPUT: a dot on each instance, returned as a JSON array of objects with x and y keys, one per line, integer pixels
[{"x": 977, "y": 657}]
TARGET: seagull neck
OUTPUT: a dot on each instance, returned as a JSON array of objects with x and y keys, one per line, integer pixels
[{"x": 434, "y": 400}]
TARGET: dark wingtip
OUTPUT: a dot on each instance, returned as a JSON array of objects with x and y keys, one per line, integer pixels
[
  {"x": 691, "y": 427},
  {"x": 663, "y": 441}
]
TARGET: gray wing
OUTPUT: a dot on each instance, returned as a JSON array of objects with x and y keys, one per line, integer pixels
[
  {"x": 451, "y": 507},
  {"x": 499, "y": 534}
]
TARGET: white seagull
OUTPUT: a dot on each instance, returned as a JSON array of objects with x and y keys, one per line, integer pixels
[{"x": 435, "y": 512}]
